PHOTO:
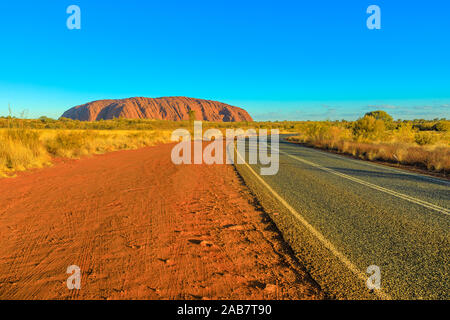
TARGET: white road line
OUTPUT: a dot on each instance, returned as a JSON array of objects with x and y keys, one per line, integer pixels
[
  {"x": 373, "y": 186},
  {"x": 381, "y": 166},
  {"x": 317, "y": 234}
]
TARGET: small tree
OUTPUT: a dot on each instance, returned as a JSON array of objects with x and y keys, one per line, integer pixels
[
  {"x": 380, "y": 115},
  {"x": 368, "y": 128}
]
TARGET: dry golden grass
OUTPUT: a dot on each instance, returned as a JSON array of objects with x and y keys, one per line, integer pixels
[
  {"x": 34, "y": 142},
  {"x": 372, "y": 141},
  {"x": 22, "y": 149}
]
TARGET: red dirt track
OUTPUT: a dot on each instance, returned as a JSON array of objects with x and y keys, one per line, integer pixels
[{"x": 140, "y": 227}]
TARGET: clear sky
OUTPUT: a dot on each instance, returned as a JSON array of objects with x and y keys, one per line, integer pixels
[{"x": 280, "y": 60}]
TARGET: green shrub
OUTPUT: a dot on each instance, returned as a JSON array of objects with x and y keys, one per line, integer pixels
[
  {"x": 66, "y": 143},
  {"x": 369, "y": 128},
  {"x": 425, "y": 138},
  {"x": 380, "y": 115},
  {"x": 442, "y": 126}
]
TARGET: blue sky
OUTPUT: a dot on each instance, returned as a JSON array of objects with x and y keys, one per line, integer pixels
[{"x": 280, "y": 60}]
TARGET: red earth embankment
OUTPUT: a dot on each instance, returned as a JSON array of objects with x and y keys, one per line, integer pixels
[{"x": 140, "y": 227}]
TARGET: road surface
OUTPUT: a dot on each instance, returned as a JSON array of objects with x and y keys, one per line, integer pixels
[{"x": 342, "y": 215}]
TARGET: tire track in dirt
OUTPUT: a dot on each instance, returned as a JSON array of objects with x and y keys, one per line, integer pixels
[{"x": 140, "y": 227}]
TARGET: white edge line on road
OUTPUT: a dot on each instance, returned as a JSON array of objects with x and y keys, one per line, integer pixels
[
  {"x": 373, "y": 186},
  {"x": 378, "y": 166},
  {"x": 317, "y": 234}
]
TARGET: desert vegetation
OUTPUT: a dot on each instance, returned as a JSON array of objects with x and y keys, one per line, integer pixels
[
  {"x": 377, "y": 137},
  {"x": 23, "y": 148},
  {"x": 32, "y": 143},
  {"x": 137, "y": 124}
]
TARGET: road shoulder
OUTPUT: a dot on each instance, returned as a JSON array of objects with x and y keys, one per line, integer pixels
[{"x": 140, "y": 227}]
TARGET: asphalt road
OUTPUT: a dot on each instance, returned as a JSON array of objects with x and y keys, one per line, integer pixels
[{"x": 342, "y": 215}]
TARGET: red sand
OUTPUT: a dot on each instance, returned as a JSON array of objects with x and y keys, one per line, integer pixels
[{"x": 140, "y": 227}]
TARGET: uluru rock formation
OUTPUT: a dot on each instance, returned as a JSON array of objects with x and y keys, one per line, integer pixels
[{"x": 166, "y": 108}]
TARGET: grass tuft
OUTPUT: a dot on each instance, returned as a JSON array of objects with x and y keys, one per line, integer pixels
[{"x": 22, "y": 149}]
